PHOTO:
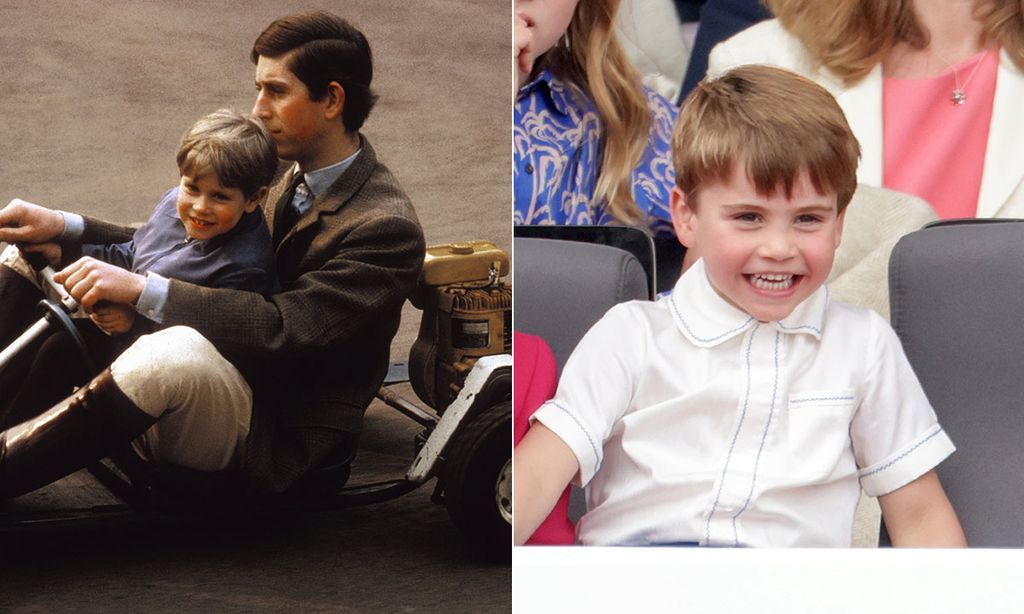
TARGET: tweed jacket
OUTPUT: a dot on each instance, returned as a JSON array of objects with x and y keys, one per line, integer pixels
[
  {"x": 1002, "y": 181},
  {"x": 316, "y": 352}
]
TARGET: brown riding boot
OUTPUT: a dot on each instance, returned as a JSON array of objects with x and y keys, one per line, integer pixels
[{"x": 78, "y": 431}]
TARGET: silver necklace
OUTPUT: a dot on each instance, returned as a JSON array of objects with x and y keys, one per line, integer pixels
[{"x": 959, "y": 98}]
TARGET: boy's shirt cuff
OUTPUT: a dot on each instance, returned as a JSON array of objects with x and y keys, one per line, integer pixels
[
  {"x": 587, "y": 447},
  {"x": 153, "y": 300},
  {"x": 905, "y": 466},
  {"x": 74, "y": 226}
]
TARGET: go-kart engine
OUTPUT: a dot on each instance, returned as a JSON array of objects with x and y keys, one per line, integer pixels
[{"x": 467, "y": 313}]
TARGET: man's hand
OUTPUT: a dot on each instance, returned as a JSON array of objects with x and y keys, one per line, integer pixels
[
  {"x": 24, "y": 222},
  {"x": 113, "y": 318},
  {"x": 522, "y": 38},
  {"x": 90, "y": 281},
  {"x": 50, "y": 250}
]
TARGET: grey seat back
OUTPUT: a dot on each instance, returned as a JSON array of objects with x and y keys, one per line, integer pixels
[
  {"x": 957, "y": 299},
  {"x": 563, "y": 287}
]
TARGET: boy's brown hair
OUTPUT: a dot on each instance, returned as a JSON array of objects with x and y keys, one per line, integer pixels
[
  {"x": 776, "y": 122},
  {"x": 238, "y": 149}
]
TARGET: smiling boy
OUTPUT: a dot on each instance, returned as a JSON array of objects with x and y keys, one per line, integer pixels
[
  {"x": 209, "y": 229},
  {"x": 746, "y": 409}
]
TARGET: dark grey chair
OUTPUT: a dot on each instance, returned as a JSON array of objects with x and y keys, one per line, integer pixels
[
  {"x": 957, "y": 296},
  {"x": 562, "y": 288}
]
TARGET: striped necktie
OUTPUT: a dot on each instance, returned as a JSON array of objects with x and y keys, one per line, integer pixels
[{"x": 298, "y": 199}]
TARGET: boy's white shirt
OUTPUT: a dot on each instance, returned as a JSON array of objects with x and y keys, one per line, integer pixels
[{"x": 693, "y": 422}]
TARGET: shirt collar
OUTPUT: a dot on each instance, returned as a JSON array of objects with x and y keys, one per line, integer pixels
[
  {"x": 321, "y": 179},
  {"x": 706, "y": 319},
  {"x": 559, "y": 92}
]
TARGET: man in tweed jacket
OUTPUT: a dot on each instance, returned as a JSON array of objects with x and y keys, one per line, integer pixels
[{"x": 275, "y": 387}]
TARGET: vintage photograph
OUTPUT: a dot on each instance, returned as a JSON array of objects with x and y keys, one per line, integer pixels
[{"x": 256, "y": 307}]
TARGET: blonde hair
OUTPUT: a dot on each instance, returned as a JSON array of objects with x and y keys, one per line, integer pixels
[
  {"x": 590, "y": 58},
  {"x": 851, "y": 37},
  {"x": 238, "y": 149},
  {"x": 776, "y": 122}
]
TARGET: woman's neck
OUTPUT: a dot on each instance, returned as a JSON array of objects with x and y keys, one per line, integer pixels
[{"x": 954, "y": 34}]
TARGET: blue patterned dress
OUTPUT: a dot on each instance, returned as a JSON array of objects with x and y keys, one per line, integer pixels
[{"x": 556, "y": 142}]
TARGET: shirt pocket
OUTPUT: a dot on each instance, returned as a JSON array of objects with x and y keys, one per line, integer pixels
[{"x": 818, "y": 433}]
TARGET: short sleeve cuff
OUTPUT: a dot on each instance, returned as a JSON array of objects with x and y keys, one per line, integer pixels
[
  {"x": 908, "y": 464},
  {"x": 74, "y": 226},
  {"x": 153, "y": 299},
  {"x": 569, "y": 428}
]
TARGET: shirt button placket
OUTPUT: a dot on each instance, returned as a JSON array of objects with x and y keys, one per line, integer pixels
[{"x": 753, "y": 413}]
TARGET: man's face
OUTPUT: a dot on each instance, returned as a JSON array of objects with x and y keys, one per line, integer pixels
[
  {"x": 207, "y": 208},
  {"x": 296, "y": 123},
  {"x": 763, "y": 254}
]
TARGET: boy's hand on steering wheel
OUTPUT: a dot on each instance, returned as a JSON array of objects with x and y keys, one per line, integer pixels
[
  {"x": 113, "y": 318},
  {"x": 90, "y": 281},
  {"x": 24, "y": 222},
  {"x": 50, "y": 250}
]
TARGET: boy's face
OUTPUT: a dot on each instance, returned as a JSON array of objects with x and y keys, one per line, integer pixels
[
  {"x": 297, "y": 123},
  {"x": 762, "y": 254},
  {"x": 208, "y": 209}
]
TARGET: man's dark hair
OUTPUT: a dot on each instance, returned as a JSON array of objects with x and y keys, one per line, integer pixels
[{"x": 324, "y": 48}]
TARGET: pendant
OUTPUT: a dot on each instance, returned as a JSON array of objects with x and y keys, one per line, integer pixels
[{"x": 958, "y": 97}]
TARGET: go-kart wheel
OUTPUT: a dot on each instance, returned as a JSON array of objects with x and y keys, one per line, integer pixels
[{"x": 478, "y": 490}]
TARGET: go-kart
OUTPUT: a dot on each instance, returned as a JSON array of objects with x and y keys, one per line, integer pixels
[{"x": 460, "y": 368}]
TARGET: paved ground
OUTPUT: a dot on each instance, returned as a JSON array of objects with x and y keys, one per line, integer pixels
[{"x": 94, "y": 98}]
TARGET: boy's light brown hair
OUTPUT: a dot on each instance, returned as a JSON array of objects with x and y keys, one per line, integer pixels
[
  {"x": 774, "y": 121},
  {"x": 238, "y": 149}
]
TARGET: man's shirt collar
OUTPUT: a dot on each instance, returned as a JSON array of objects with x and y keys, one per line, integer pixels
[
  {"x": 321, "y": 179},
  {"x": 706, "y": 319}
]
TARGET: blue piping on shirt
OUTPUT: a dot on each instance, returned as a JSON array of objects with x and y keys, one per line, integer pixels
[{"x": 735, "y": 436}]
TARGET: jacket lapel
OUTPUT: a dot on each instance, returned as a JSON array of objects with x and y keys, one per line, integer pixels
[
  {"x": 273, "y": 203},
  {"x": 1004, "y": 164},
  {"x": 341, "y": 191}
]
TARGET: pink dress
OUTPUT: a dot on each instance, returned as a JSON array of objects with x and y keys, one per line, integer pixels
[
  {"x": 535, "y": 377},
  {"x": 934, "y": 148}
]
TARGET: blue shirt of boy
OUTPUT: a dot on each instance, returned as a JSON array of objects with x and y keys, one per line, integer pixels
[
  {"x": 241, "y": 258},
  {"x": 557, "y": 138}
]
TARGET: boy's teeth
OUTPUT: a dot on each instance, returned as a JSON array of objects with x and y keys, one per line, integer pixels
[{"x": 772, "y": 281}]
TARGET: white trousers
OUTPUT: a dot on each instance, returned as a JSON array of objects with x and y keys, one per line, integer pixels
[{"x": 202, "y": 404}]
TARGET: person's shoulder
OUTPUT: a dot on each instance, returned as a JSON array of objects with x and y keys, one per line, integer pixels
[
  {"x": 659, "y": 105},
  {"x": 383, "y": 196},
  {"x": 168, "y": 202},
  {"x": 767, "y": 31},
  {"x": 845, "y": 321},
  {"x": 639, "y": 316},
  {"x": 766, "y": 42}
]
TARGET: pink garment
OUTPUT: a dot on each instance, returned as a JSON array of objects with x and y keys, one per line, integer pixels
[
  {"x": 934, "y": 148},
  {"x": 535, "y": 377}
]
